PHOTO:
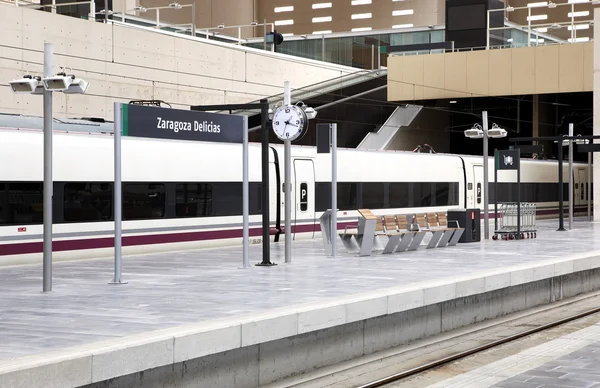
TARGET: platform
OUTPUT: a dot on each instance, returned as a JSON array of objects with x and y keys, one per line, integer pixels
[{"x": 186, "y": 312}]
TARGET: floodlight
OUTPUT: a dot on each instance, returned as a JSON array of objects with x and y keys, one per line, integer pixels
[
  {"x": 496, "y": 132},
  {"x": 58, "y": 83},
  {"x": 27, "y": 84},
  {"x": 77, "y": 86},
  {"x": 474, "y": 133},
  {"x": 311, "y": 113}
]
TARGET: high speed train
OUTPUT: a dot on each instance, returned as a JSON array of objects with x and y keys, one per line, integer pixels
[{"x": 182, "y": 195}]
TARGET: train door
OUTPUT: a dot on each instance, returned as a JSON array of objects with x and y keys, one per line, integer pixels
[
  {"x": 478, "y": 186},
  {"x": 304, "y": 194}
]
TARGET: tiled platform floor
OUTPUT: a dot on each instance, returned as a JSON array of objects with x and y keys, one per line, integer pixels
[{"x": 171, "y": 289}]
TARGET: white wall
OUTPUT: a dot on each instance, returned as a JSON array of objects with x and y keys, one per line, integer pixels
[{"x": 124, "y": 63}]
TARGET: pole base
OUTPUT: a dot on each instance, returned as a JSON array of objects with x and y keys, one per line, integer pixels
[
  {"x": 268, "y": 264},
  {"x": 561, "y": 230},
  {"x": 117, "y": 282}
]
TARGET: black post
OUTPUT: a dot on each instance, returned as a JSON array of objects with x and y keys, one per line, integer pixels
[
  {"x": 519, "y": 194},
  {"x": 496, "y": 161},
  {"x": 266, "y": 227},
  {"x": 561, "y": 221}
]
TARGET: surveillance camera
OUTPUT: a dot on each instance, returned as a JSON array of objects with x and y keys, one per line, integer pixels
[
  {"x": 77, "y": 86},
  {"x": 474, "y": 133},
  {"x": 496, "y": 132},
  {"x": 27, "y": 84},
  {"x": 59, "y": 82}
]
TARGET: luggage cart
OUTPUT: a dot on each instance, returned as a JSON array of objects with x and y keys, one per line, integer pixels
[{"x": 508, "y": 217}]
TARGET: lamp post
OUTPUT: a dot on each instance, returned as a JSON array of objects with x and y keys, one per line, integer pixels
[
  {"x": 477, "y": 132},
  {"x": 45, "y": 86}
]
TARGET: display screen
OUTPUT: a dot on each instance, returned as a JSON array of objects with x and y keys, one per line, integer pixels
[{"x": 466, "y": 17}]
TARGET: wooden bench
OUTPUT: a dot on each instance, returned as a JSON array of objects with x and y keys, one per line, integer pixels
[
  {"x": 408, "y": 239},
  {"x": 364, "y": 234},
  {"x": 442, "y": 232}
]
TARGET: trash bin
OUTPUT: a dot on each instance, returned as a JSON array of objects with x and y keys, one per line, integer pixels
[{"x": 470, "y": 219}]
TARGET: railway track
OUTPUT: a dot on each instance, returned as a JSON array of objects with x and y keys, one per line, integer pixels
[
  {"x": 435, "y": 359},
  {"x": 445, "y": 360}
]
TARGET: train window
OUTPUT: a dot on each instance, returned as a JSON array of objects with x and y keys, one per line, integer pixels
[
  {"x": 422, "y": 195},
  {"x": 323, "y": 196},
  {"x": 143, "y": 201},
  {"x": 446, "y": 193},
  {"x": 22, "y": 204},
  {"x": 373, "y": 196},
  {"x": 347, "y": 196},
  {"x": 3, "y": 203},
  {"x": 227, "y": 198},
  {"x": 193, "y": 200},
  {"x": 87, "y": 202},
  {"x": 399, "y": 195}
]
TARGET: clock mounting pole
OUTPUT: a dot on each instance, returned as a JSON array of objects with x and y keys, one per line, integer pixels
[{"x": 287, "y": 98}]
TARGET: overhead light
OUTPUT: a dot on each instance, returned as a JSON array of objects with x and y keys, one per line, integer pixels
[
  {"x": 408, "y": 25},
  {"x": 403, "y": 12},
  {"x": 360, "y": 2},
  {"x": 221, "y": 26},
  {"x": 288, "y": 8},
  {"x": 322, "y": 19},
  {"x": 537, "y": 4},
  {"x": 321, "y": 5},
  {"x": 359, "y": 29},
  {"x": 542, "y": 29},
  {"x": 577, "y": 14},
  {"x": 453, "y": 102},
  {"x": 551, "y": 5},
  {"x": 496, "y": 132},
  {"x": 537, "y": 17},
  {"x": 58, "y": 83},
  {"x": 77, "y": 86},
  {"x": 579, "y": 27},
  {"x": 175, "y": 5},
  {"x": 362, "y": 16},
  {"x": 510, "y": 9},
  {"x": 27, "y": 84},
  {"x": 474, "y": 133},
  {"x": 322, "y": 32},
  {"x": 284, "y": 22},
  {"x": 254, "y": 23}
]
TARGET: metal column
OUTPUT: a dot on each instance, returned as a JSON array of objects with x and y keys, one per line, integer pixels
[
  {"x": 334, "y": 209},
  {"x": 589, "y": 187},
  {"x": 117, "y": 192},
  {"x": 561, "y": 215},
  {"x": 287, "y": 98},
  {"x": 48, "y": 184},
  {"x": 266, "y": 259},
  {"x": 245, "y": 197},
  {"x": 486, "y": 210},
  {"x": 570, "y": 177}
]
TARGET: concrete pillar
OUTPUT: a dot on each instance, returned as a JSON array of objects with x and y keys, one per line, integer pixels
[{"x": 596, "y": 161}]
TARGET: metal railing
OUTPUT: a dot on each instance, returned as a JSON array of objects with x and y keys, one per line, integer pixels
[{"x": 536, "y": 33}]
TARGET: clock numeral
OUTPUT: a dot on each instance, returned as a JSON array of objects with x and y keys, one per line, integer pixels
[
  {"x": 298, "y": 122},
  {"x": 287, "y": 110},
  {"x": 287, "y": 134},
  {"x": 276, "y": 122}
]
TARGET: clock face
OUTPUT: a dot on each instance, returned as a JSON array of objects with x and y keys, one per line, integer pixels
[{"x": 289, "y": 122}]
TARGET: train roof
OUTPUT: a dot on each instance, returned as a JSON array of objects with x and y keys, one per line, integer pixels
[{"x": 84, "y": 124}]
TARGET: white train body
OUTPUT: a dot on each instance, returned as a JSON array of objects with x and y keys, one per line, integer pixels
[{"x": 389, "y": 182}]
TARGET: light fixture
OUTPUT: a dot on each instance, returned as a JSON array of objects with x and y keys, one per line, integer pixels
[
  {"x": 474, "y": 133},
  {"x": 221, "y": 26},
  {"x": 58, "y": 83},
  {"x": 496, "y": 132},
  {"x": 453, "y": 102},
  {"x": 175, "y": 5},
  {"x": 510, "y": 9},
  {"x": 27, "y": 84},
  {"x": 254, "y": 23},
  {"x": 77, "y": 86},
  {"x": 139, "y": 8},
  {"x": 551, "y": 5}
]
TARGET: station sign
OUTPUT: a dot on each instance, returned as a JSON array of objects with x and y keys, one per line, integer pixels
[
  {"x": 178, "y": 124},
  {"x": 508, "y": 160}
]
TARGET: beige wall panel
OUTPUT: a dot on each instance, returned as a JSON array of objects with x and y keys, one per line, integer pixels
[
  {"x": 397, "y": 90},
  {"x": 478, "y": 73},
  {"x": 213, "y": 61},
  {"x": 571, "y": 67},
  {"x": 413, "y": 75},
  {"x": 500, "y": 72},
  {"x": 15, "y": 68},
  {"x": 523, "y": 70},
  {"x": 588, "y": 66},
  {"x": 125, "y": 72},
  {"x": 546, "y": 69},
  {"x": 456, "y": 75},
  {"x": 434, "y": 75}
]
